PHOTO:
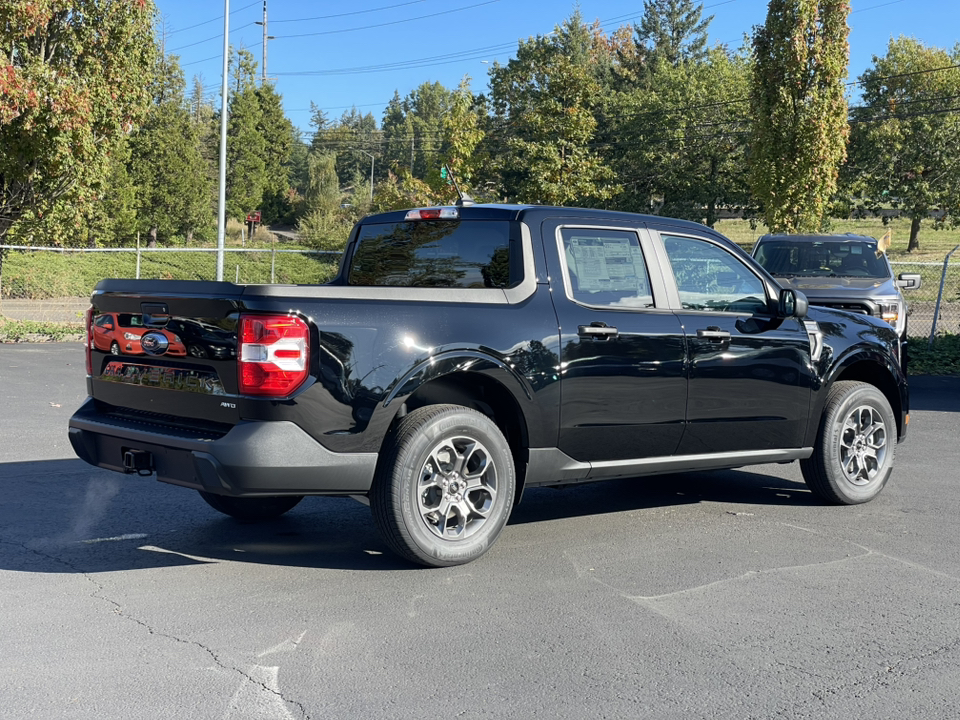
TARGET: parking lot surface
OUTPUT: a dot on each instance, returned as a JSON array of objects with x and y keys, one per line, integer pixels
[{"x": 704, "y": 595}]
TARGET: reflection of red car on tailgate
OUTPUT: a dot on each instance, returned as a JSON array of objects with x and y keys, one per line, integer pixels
[{"x": 119, "y": 334}]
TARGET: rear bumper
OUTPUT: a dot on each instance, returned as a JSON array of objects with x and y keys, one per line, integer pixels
[{"x": 253, "y": 458}]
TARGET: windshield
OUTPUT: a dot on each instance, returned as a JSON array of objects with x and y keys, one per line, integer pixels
[{"x": 795, "y": 258}]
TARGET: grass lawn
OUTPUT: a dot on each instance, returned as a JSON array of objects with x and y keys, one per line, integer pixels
[{"x": 40, "y": 275}]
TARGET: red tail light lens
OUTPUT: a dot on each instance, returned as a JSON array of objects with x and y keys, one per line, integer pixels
[
  {"x": 88, "y": 321},
  {"x": 274, "y": 354}
]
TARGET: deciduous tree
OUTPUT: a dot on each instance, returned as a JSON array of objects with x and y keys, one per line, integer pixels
[
  {"x": 905, "y": 148},
  {"x": 75, "y": 79},
  {"x": 799, "y": 112}
]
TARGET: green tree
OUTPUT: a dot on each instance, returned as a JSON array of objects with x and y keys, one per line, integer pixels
[
  {"x": 413, "y": 130},
  {"x": 167, "y": 166},
  {"x": 546, "y": 98},
  {"x": 906, "y": 136},
  {"x": 799, "y": 133},
  {"x": 278, "y": 136},
  {"x": 671, "y": 31},
  {"x": 463, "y": 133},
  {"x": 679, "y": 146},
  {"x": 246, "y": 147},
  {"x": 76, "y": 79}
]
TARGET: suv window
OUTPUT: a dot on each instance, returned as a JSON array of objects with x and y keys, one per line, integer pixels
[
  {"x": 788, "y": 258},
  {"x": 437, "y": 253},
  {"x": 710, "y": 278},
  {"x": 606, "y": 268}
]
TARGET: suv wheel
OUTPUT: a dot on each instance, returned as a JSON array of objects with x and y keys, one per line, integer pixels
[
  {"x": 853, "y": 456},
  {"x": 444, "y": 487}
]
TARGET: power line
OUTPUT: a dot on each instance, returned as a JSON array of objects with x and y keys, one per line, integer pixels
[
  {"x": 393, "y": 22},
  {"x": 213, "y": 37},
  {"x": 218, "y": 17},
  {"x": 355, "y": 12}
]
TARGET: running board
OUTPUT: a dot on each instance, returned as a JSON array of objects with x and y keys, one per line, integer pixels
[{"x": 550, "y": 466}]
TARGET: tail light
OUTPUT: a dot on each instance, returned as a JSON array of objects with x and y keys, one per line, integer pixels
[
  {"x": 274, "y": 354},
  {"x": 88, "y": 321}
]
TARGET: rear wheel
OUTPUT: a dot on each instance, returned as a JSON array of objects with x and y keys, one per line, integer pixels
[
  {"x": 444, "y": 487},
  {"x": 853, "y": 456},
  {"x": 251, "y": 509}
]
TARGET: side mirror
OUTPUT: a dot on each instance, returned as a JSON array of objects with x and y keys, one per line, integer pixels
[
  {"x": 909, "y": 281},
  {"x": 792, "y": 303}
]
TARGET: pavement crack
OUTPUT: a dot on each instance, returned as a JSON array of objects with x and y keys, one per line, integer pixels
[{"x": 117, "y": 608}]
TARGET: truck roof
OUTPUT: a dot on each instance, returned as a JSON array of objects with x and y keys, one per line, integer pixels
[
  {"x": 495, "y": 211},
  {"x": 821, "y": 237}
]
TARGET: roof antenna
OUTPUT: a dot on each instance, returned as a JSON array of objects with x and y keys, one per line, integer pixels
[{"x": 463, "y": 200}]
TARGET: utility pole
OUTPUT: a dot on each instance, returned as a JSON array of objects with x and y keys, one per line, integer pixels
[{"x": 263, "y": 73}]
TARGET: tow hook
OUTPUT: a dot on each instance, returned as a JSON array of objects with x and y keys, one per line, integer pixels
[{"x": 137, "y": 461}]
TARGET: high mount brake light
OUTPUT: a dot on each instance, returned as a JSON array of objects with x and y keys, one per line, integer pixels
[
  {"x": 88, "y": 319},
  {"x": 439, "y": 213},
  {"x": 274, "y": 354}
]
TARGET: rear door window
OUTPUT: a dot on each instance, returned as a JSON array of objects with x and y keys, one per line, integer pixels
[
  {"x": 605, "y": 268},
  {"x": 438, "y": 253}
]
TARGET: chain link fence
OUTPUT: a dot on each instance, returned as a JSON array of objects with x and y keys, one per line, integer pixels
[
  {"x": 54, "y": 284},
  {"x": 940, "y": 280}
]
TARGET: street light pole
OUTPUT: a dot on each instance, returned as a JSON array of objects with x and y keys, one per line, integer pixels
[
  {"x": 369, "y": 155},
  {"x": 221, "y": 202}
]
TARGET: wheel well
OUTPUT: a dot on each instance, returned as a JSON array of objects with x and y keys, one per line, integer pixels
[
  {"x": 878, "y": 376},
  {"x": 485, "y": 395}
]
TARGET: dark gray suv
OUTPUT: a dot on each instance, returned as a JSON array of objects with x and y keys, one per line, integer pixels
[{"x": 846, "y": 272}]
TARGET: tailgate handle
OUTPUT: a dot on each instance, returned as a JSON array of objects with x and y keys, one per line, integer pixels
[{"x": 155, "y": 314}]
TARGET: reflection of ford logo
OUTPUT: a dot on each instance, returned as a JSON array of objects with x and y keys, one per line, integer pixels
[{"x": 154, "y": 343}]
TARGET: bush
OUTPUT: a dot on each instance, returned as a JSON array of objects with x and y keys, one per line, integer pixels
[{"x": 942, "y": 359}]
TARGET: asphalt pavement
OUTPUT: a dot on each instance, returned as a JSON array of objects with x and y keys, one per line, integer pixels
[{"x": 703, "y": 595}]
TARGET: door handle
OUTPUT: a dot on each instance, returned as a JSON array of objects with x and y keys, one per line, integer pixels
[
  {"x": 713, "y": 333},
  {"x": 597, "y": 331}
]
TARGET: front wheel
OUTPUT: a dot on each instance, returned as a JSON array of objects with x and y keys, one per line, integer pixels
[
  {"x": 444, "y": 487},
  {"x": 853, "y": 456},
  {"x": 251, "y": 509}
]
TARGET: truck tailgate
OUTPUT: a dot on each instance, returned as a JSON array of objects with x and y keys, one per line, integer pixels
[{"x": 166, "y": 348}]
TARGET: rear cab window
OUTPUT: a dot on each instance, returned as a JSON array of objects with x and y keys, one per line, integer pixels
[{"x": 438, "y": 254}]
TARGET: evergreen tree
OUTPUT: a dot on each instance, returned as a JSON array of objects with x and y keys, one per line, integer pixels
[
  {"x": 166, "y": 164},
  {"x": 278, "y": 137},
  {"x": 246, "y": 147},
  {"x": 799, "y": 133},
  {"x": 671, "y": 32}
]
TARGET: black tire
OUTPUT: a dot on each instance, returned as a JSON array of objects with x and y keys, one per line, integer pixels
[
  {"x": 251, "y": 509},
  {"x": 426, "y": 509},
  {"x": 853, "y": 456},
  {"x": 114, "y": 348}
]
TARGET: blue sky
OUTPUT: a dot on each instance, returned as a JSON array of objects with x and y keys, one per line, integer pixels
[{"x": 343, "y": 54}]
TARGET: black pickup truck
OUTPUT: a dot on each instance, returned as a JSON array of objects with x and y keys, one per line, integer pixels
[{"x": 463, "y": 354}]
